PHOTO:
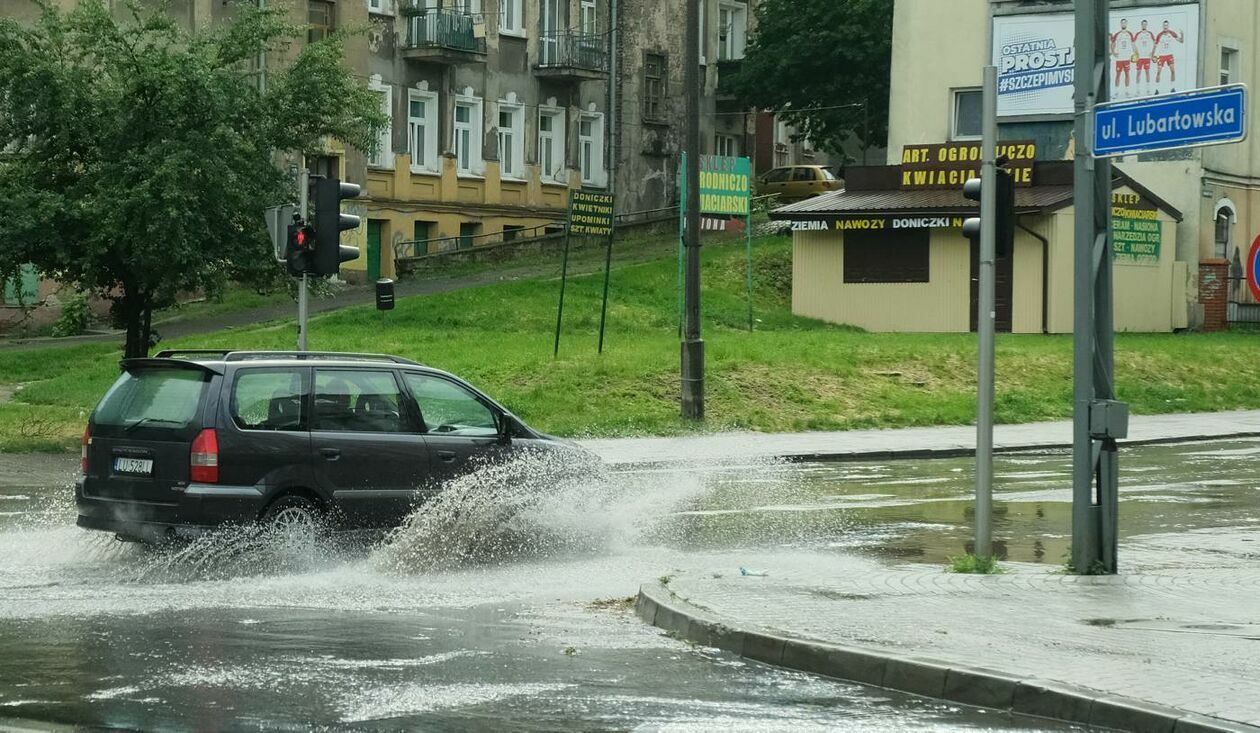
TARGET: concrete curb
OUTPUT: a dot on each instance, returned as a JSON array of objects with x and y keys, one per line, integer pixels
[{"x": 977, "y": 686}]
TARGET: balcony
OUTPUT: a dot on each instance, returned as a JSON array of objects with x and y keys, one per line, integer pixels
[
  {"x": 441, "y": 36},
  {"x": 572, "y": 56}
]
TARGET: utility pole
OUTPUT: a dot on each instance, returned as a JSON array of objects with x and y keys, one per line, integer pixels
[
  {"x": 304, "y": 201},
  {"x": 985, "y": 325},
  {"x": 1098, "y": 419},
  {"x": 692, "y": 345}
]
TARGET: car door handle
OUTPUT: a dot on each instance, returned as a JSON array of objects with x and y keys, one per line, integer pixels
[
  {"x": 330, "y": 454},
  {"x": 446, "y": 456}
]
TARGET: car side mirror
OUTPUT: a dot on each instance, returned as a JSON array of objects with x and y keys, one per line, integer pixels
[{"x": 507, "y": 427}]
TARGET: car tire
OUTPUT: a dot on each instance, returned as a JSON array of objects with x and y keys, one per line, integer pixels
[{"x": 294, "y": 515}]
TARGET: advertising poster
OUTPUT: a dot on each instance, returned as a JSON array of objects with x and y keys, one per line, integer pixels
[{"x": 1151, "y": 50}]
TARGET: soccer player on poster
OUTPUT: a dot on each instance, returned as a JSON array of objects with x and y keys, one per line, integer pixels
[
  {"x": 1164, "y": 55},
  {"x": 1122, "y": 52},
  {"x": 1144, "y": 43}
]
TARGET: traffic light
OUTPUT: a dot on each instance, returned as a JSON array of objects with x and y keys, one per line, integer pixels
[
  {"x": 329, "y": 252},
  {"x": 1005, "y": 241},
  {"x": 297, "y": 250}
]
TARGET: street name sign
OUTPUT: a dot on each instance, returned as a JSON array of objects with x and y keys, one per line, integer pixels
[{"x": 1211, "y": 116}]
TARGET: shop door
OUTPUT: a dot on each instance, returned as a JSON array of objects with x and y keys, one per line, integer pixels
[
  {"x": 1005, "y": 269},
  {"x": 374, "y": 250}
]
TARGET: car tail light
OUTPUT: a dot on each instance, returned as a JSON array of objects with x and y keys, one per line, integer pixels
[
  {"x": 203, "y": 464},
  {"x": 83, "y": 452}
]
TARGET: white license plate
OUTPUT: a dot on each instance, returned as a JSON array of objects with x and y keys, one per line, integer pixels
[{"x": 142, "y": 466}]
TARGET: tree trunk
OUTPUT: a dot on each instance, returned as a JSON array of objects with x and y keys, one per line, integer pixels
[{"x": 133, "y": 310}]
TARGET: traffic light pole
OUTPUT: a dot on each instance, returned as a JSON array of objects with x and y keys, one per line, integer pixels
[
  {"x": 1097, "y": 419},
  {"x": 985, "y": 317},
  {"x": 304, "y": 203}
]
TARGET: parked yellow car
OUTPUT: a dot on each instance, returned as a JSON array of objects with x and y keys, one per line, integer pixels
[{"x": 796, "y": 182}]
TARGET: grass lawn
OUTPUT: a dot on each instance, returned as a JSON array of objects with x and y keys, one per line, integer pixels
[{"x": 790, "y": 374}]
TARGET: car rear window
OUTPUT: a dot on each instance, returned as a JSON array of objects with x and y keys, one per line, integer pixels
[
  {"x": 164, "y": 398},
  {"x": 827, "y": 175}
]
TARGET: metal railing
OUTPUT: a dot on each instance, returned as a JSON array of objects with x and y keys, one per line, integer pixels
[
  {"x": 571, "y": 49},
  {"x": 417, "y": 248},
  {"x": 450, "y": 29}
]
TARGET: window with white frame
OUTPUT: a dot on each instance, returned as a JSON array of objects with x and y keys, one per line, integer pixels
[
  {"x": 468, "y": 7},
  {"x": 1229, "y": 65},
  {"x": 591, "y": 149},
  {"x": 422, "y": 131},
  {"x": 383, "y": 157},
  {"x": 381, "y": 7},
  {"x": 968, "y": 114},
  {"x": 551, "y": 144},
  {"x": 702, "y": 29},
  {"x": 588, "y": 19},
  {"x": 725, "y": 145},
  {"x": 732, "y": 30},
  {"x": 510, "y": 20},
  {"x": 511, "y": 140},
  {"x": 468, "y": 135}
]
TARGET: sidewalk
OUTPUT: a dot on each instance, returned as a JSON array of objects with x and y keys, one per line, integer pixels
[{"x": 912, "y": 442}]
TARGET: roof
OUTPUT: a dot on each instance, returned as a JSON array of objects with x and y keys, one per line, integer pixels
[{"x": 873, "y": 191}]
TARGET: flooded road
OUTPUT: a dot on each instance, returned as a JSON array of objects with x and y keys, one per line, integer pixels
[{"x": 247, "y": 632}]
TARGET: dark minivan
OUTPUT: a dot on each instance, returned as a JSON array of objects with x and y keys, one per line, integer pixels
[{"x": 189, "y": 440}]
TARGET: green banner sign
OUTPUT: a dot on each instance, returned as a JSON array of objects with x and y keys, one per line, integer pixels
[
  {"x": 590, "y": 213},
  {"x": 725, "y": 185},
  {"x": 1135, "y": 241}
]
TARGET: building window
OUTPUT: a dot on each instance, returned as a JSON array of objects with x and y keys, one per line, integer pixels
[
  {"x": 1224, "y": 227},
  {"x": 886, "y": 256},
  {"x": 725, "y": 145},
  {"x": 327, "y": 166},
  {"x": 511, "y": 140},
  {"x": 588, "y": 19},
  {"x": 422, "y": 131},
  {"x": 467, "y": 7},
  {"x": 968, "y": 114},
  {"x": 732, "y": 31},
  {"x": 1229, "y": 65},
  {"x": 703, "y": 26},
  {"x": 511, "y": 232},
  {"x": 653, "y": 86},
  {"x": 383, "y": 157},
  {"x": 551, "y": 145},
  {"x": 510, "y": 21},
  {"x": 468, "y": 135},
  {"x": 468, "y": 232},
  {"x": 381, "y": 7},
  {"x": 321, "y": 17},
  {"x": 591, "y": 149}
]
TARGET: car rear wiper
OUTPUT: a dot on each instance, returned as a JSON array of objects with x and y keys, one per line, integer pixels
[{"x": 145, "y": 420}]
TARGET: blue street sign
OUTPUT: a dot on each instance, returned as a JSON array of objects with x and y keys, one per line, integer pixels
[{"x": 1210, "y": 116}]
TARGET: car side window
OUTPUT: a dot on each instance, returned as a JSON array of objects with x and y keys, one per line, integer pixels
[
  {"x": 449, "y": 409},
  {"x": 357, "y": 400},
  {"x": 269, "y": 399},
  {"x": 803, "y": 174},
  {"x": 777, "y": 175}
]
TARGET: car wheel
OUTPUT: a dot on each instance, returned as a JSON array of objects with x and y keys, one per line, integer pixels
[{"x": 294, "y": 516}]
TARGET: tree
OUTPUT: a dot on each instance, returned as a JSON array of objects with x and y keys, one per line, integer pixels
[
  {"x": 823, "y": 66},
  {"x": 139, "y": 157}
]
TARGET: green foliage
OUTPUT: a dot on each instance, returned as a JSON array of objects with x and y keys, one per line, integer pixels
[
  {"x": 974, "y": 564},
  {"x": 74, "y": 317},
  {"x": 141, "y": 154},
  {"x": 823, "y": 65}
]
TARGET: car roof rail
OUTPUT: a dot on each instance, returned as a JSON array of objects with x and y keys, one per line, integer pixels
[
  {"x": 178, "y": 353},
  {"x": 349, "y": 356}
]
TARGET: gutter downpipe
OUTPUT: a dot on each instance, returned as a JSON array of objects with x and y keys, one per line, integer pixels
[
  {"x": 614, "y": 132},
  {"x": 1045, "y": 273}
]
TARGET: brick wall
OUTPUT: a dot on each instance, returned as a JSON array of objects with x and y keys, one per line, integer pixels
[{"x": 1214, "y": 293}]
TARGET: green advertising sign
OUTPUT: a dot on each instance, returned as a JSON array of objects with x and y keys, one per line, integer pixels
[
  {"x": 590, "y": 213},
  {"x": 725, "y": 185},
  {"x": 1135, "y": 241}
]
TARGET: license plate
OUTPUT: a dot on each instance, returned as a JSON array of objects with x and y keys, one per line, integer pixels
[{"x": 141, "y": 466}]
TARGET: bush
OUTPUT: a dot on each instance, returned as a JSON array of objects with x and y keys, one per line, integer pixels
[{"x": 75, "y": 316}]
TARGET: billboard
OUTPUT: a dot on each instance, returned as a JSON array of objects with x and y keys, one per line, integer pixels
[{"x": 1152, "y": 50}]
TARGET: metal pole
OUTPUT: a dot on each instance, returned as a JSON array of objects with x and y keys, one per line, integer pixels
[
  {"x": 682, "y": 235},
  {"x": 1095, "y": 467},
  {"x": 603, "y": 309},
  {"x": 304, "y": 202},
  {"x": 564, "y": 276},
  {"x": 692, "y": 345},
  {"x": 748, "y": 242},
  {"x": 614, "y": 69},
  {"x": 985, "y": 325}
]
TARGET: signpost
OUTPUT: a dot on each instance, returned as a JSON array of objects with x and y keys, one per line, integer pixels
[
  {"x": 590, "y": 214},
  {"x": 1210, "y": 116}
]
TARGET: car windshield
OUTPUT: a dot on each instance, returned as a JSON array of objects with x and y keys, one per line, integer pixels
[{"x": 152, "y": 397}]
